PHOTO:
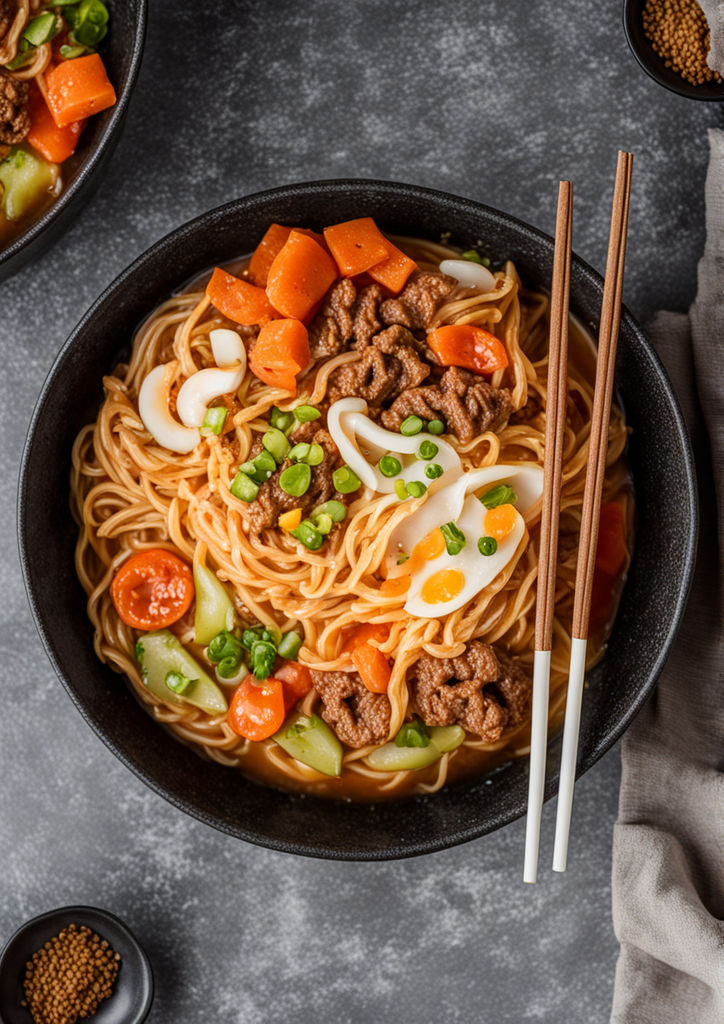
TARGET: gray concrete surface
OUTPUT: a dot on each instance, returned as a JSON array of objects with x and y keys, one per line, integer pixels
[{"x": 494, "y": 100}]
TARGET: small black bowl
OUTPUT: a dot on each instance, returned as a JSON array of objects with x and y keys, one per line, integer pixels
[
  {"x": 654, "y": 65},
  {"x": 653, "y": 600},
  {"x": 132, "y": 993},
  {"x": 121, "y": 51}
]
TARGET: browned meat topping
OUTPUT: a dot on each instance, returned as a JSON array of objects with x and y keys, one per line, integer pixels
[
  {"x": 366, "y": 315},
  {"x": 14, "y": 117},
  {"x": 357, "y": 715},
  {"x": 263, "y": 513},
  {"x": 467, "y": 403},
  {"x": 331, "y": 329},
  {"x": 388, "y": 367},
  {"x": 419, "y": 300},
  {"x": 484, "y": 692}
]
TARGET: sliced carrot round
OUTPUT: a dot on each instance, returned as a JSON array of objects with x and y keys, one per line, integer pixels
[
  {"x": 152, "y": 589},
  {"x": 257, "y": 709}
]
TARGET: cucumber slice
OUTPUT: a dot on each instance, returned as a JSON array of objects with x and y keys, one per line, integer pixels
[
  {"x": 160, "y": 653},
  {"x": 391, "y": 758},
  {"x": 310, "y": 740},
  {"x": 24, "y": 178},
  {"x": 214, "y": 608}
]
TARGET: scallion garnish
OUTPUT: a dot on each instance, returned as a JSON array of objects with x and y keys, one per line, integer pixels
[
  {"x": 214, "y": 420},
  {"x": 454, "y": 538},
  {"x": 263, "y": 656},
  {"x": 332, "y": 508},
  {"x": 400, "y": 490},
  {"x": 295, "y": 480},
  {"x": 275, "y": 442},
  {"x": 346, "y": 480},
  {"x": 436, "y": 427},
  {"x": 306, "y": 413},
  {"x": 487, "y": 545},
  {"x": 413, "y": 734},
  {"x": 290, "y": 645},
  {"x": 501, "y": 494},
  {"x": 280, "y": 419},
  {"x": 389, "y": 465},
  {"x": 411, "y": 425},
  {"x": 427, "y": 450},
  {"x": 415, "y": 488},
  {"x": 308, "y": 535},
  {"x": 178, "y": 682},
  {"x": 244, "y": 488},
  {"x": 433, "y": 471}
]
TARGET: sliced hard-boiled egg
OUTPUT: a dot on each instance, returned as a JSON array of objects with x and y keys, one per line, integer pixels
[
  {"x": 442, "y": 583},
  {"x": 157, "y": 419},
  {"x": 362, "y": 444},
  {"x": 447, "y": 504},
  {"x": 202, "y": 387},
  {"x": 469, "y": 274}
]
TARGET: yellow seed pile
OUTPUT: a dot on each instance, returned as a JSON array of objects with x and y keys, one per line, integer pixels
[
  {"x": 679, "y": 32},
  {"x": 70, "y": 976}
]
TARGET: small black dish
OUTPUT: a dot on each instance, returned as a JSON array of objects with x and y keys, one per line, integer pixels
[
  {"x": 132, "y": 994},
  {"x": 654, "y": 65},
  {"x": 651, "y": 607},
  {"x": 122, "y": 50}
]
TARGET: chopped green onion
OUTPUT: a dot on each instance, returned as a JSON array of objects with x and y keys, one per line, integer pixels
[
  {"x": 413, "y": 734},
  {"x": 389, "y": 465},
  {"x": 290, "y": 645},
  {"x": 472, "y": 255},
  {"x": 415, "y": 488},
  {"x": 280, "y": 419},
  {"x": 300, "y": 452},
  {"x": 332, "y": 508},
  {"x": 306, "y": 413},
  {"x": 487, "y": 545},
  {"x": 486, "y": 261},
  {"x": 427, "y": 450},
  {"x": 400, "y": 490},
  {"x": 433, "y": 471},
  {"x": 436, "y": 427},
  {"x": 411, "y": 425},
  {"x": 40, "y": 29},
  {"x": 229, "y": 668},
  {"x": 89, "y": 21},
  {"x": 346, "y": 480},
  {"x": 263, "y": 656},
  {"x": 275, "y": 442},
  {"x": 501, "y": 494},
  {"x": 260, "y": 468},
  {"x": 308, "y": 535},
  {"x": 249, "y": 637},
  {"x": 401, "y": 559},
  {"x": 454, "y": 538},
  {"x": 225, "y": 645},
  {"x": 243, "y": 488},
  {"x": 25, "y": 53},
  {"x": 139, "y": 650},
  {"x": 324, "y": 524},
  {"x": 295, "y": 480},
  {"x": 71, "y": 52},
  {"x": 178, "y": 682},
  {"x": 214, "y": 420},
  {"x": 316, "y": 455}
]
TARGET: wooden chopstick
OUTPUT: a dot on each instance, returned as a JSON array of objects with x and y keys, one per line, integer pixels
[
  {"x": 595, "y": 472},
  {"x": 556, "y": 396}
]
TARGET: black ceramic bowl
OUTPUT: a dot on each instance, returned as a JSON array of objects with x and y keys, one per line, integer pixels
[
  {"x": 121, "y": 51},
  {"x": 132, "y": 995},
  {"x": 652, "y": 604},
  {"x": 654, "y": 65}
]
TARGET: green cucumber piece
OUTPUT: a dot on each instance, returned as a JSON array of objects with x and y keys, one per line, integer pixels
[
  {"x": 160, "y": 653},
  {"x": 310, "y": 740},
  {"x": 214, "y": 608}
]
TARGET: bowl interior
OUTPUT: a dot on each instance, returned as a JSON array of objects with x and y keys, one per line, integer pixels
[
  {"x": 132, "y": 993},
  {"x": 654, "y": 65},
  {"x": 121, "y": 52},
  {"x": 659, "y": 457}
]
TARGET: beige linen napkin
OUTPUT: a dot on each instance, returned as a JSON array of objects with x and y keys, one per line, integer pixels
[
  {"x": 714, "y": 11},
  {"x": 668, "y": 851}
]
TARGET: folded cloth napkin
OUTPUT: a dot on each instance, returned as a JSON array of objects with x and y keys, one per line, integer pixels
[
  {"x": 714, "y": 11},
  {"x": 668, "y": 851}
]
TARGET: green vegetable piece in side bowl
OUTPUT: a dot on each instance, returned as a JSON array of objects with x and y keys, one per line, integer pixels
[
  {"x": 214, "y": 608},
  {"x": 160, "y": 653},
  {"x": 391, "y": 758},
  {"x": 310, "y": 740},
  {"x": 24, "y": 179}
]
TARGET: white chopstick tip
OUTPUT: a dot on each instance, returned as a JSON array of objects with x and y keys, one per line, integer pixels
[
  {"x": 537, "y": 777},
  {"x": 569, "y": 752}
]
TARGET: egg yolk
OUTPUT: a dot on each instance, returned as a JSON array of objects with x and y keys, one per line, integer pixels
[
  {"x": 442, "y": 586},
  {"x": 431, "y": 546},
  {"x": 396, "y": 587},
  {"x": 500, "y": 521}
]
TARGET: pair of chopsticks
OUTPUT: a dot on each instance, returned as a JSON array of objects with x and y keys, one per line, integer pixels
[{"x": 588, "y": 541}]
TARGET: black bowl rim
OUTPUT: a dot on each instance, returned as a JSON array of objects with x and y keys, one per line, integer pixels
[
  {"x": 604, "y": 743},
  {"x": 75, "y": 914},
  {"x": 88, "y": 167},
  {"x": 650, "y": 61}
]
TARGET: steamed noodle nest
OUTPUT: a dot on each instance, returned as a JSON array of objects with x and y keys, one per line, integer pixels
[{"x": 130, "y": 494}]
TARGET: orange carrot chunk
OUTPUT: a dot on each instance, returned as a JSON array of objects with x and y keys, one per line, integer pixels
[
  {"x": 470, "y": 347},
  {"x": 78, "y": 88},
  {"x": 393, "y": 272},
  {"x": 257, "y": 709},
  {"x": 356, "y": 245},
  {"x": 266, "y": 252},
  {"x": 296, "y": 681},
  {"x": 54, "y": 143},
  {"x": 373, "y": 667},
  {"x": 281, "y": 351},
  {"x": 358, "y": 635},
  {"x": 300, "y": 274},
  {"x": 240, "y": 301}
]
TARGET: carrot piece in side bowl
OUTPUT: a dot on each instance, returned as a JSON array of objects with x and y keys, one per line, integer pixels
[
  {"x": 394, "y": 271},
  {"x": 356, "y": 245},
  {"x": 299, "y": 276},
  {"x": 238, "y": 300},
  {"x": 470, "y": 347},
  {"x": 280, "y": 352},
  {"x": 54, "y": 143},
  {"x": 78, "y": 88}
]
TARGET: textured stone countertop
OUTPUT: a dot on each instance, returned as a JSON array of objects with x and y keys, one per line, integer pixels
[{"x": 494, "y": 100}]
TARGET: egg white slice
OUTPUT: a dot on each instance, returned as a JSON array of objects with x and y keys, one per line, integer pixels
[
  {"x": 479, "y": 570},
  {"x": 446, "y": 505},
  {"x": 362, "y": 443}
]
